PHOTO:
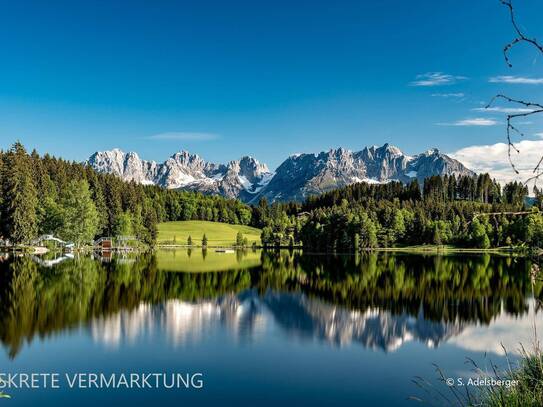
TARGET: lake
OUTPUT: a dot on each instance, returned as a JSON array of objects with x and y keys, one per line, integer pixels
[{"x": 261, "y": 328}]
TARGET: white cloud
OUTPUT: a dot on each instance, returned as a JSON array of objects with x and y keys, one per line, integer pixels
[
  {"x": 508, "y": 110},
  {"x": 478, "y": 121},
  {"x": 506, "y": 329},
  {"x": 516, "y": 80},
  {"x": 435, "y": 79},
  {"x": 185, "y": 136},
  {"x": 449, "y": 95},
  {"x": 493, "y": 159},
  {"x": 540, "y": 135}
]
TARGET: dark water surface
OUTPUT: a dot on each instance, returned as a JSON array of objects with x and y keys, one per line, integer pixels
[{"x": 262, "y": 328}]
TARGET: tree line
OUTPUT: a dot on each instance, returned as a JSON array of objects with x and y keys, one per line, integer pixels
[
  {"x": 46, "y": 195},
  {"x": 445, "y": 210}
]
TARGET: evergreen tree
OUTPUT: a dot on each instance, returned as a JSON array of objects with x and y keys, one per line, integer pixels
[
  {"x": 204, "y": 240},
  {"x": 19, "y": 197},
  {"x": 99, "y": 200},
  {"x": 150, "y": 223}
]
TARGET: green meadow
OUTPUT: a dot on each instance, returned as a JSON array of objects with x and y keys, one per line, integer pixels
[{"x": 218, "y": 234}]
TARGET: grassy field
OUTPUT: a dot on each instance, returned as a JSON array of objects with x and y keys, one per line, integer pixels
[
  {"x": 218, "y": 234},
  {"x": 194, "y": 261}
]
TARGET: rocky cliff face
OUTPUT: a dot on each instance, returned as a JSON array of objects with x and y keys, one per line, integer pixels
[
  {"x": 244, "y": 177},
  {"x": 298, "y": 177},
  {"x": 303, "y": 175}
]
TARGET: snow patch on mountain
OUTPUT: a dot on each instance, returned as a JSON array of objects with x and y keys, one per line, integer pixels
[
  {"x": 186, "y": 171},
  {"x": 299, "y": 176}
]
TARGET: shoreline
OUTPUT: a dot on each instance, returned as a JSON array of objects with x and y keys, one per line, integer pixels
[
  {"x": 431, "y": 249},
  {"x": 428, "y": 249},
  {"x": 449, "y": 249}
]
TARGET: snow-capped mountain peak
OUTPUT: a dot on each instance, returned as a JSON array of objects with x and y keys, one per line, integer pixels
[
  {"x": 185, "y": 170},
  {"x": 299, "y": 176}
]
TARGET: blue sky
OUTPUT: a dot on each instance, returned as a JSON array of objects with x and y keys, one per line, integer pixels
[{"x": 268, "y": 79}]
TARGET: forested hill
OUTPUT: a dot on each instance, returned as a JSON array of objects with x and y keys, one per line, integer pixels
[
  {"x": 47, "y": 195},
  {"x": 479, "y": 188},
  {"x": 466, "y": 211}
]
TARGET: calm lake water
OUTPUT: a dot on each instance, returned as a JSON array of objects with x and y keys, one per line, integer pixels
[{"x": 263, "y": 328}]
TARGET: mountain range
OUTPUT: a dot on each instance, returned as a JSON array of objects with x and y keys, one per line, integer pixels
[{"x": 298, "y": 177}]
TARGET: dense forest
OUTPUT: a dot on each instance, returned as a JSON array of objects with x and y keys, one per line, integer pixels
[
  {"x": 46, "y": 195},
  {"x": 462, "y": 211}
]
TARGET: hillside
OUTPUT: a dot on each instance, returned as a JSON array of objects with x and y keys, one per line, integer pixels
[{"x": 218, "y": 234}]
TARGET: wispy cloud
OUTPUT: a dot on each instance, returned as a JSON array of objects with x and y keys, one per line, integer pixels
[
  {"x": 435, "y": 79},
  {"x": 516, "y": 80},
  {"x": 508, "y": 110},
  {"x": 184, "y": 136},
  {"x": 478, "y": 121},
  {"x": 540, "y": 135},
  {"x": 448, "y": 95},
  {"x": 493, "y": 159},
  {"x": 505, "y": 331}
]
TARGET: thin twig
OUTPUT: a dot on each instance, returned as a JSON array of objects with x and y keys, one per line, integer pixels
[
  {"x": 520, "y": 35},
  {"x": 537, "y": 107}
]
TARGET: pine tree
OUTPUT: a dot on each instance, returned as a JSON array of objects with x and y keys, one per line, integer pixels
[
  {"x": 112, "y": 194},
  {"x": 189, "y": 241},
  {"x": 204, "y": 241},
  {"x": 150, "y": 222},
  {"x": 19, "y": 203},
  {"x": 137, "y": 223},
  {"x": 99, "y": 201}
]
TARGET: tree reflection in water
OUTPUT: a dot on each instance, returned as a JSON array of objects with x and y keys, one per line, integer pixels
[{"x": 377, "y": 299}]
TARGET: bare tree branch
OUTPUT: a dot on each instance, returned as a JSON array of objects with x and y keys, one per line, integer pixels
[
  {"x": 536, "y": 107},
  {"x": 520, "y": 35}
]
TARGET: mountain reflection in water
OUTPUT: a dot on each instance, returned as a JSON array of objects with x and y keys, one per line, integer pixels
[
  {"x": 248, "y": 315},
  {"x": 379, "y": 301}
]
